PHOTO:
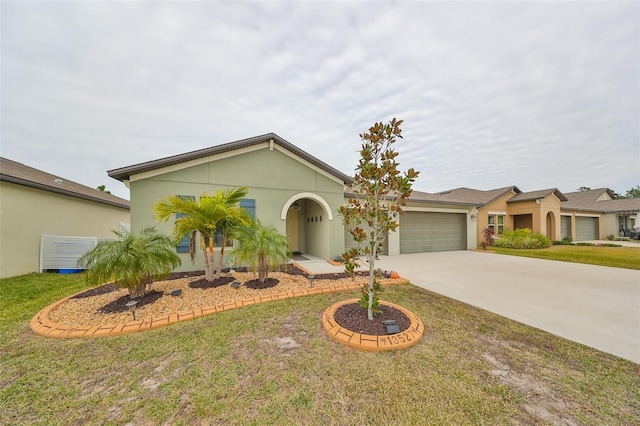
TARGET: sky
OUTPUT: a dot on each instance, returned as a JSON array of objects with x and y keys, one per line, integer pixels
[{"x": 533, "y": 94}]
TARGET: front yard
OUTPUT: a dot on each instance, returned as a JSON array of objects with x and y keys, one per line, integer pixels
[{"x": 272, "y": 363}]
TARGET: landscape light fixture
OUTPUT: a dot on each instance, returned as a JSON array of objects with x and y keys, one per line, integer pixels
[
  {"x": 132, "y": 307},
  {"x": 311, "y": 278},
  {"x": 392, "y": 327}
]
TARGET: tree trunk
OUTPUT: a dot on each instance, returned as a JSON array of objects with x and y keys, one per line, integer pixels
[
  {"x": 208, "y": 269},
  {"x": 221, "y": 260},
  {"x": 263, "y": 271},
  {"x": 137, "y": 291},
  {"x": 372, "y": 277}
]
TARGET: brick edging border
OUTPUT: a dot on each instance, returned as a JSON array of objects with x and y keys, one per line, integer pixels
[
  {"x": 367, "y": 342},
  {"x": 42, "y": 325}
]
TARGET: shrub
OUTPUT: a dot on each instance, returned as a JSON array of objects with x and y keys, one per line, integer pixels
[
  {"x": 262, "y": 248},
  {"x": 565, "y": 241},
  {"x": 522, "y": 239},
  {"x": 487, "y": 235},
  {"x": 132, "y": 260},
  {"x": 610, "y": 237}
]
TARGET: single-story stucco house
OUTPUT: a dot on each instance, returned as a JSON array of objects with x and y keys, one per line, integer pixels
[
  {"x": 300, "y": 195},
  {"x": 293, "y": 191},
  {"x": 35, "y": 203}
]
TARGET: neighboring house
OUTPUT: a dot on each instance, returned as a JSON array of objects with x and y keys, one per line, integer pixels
[
  {"x": 595, "y": 214},
  {"x": 510, "y": 208},
  {"x": 585, "y": 215},
  {"x": 36, "y": 203}
]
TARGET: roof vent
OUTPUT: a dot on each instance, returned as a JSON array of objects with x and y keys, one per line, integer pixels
[{"x": 58, "y": 181}]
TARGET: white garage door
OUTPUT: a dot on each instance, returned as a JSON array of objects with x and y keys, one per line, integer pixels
[
  {"x": 424, "y": 232},
  {"x": 586, "y": 228}
]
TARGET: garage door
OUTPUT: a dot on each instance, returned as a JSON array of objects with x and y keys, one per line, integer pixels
[
  {"x": 423, "y": 232},
  {"x": 586, "y": 228},
  {"x": 565, "y": 224}
]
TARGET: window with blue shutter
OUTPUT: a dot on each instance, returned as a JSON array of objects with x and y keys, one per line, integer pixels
[
  {"x": 183, "y": 245},
  {"x": 249, "y": 204}
]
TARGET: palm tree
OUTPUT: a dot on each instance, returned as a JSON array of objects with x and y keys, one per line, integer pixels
[
  {"x": 235, "y": 218},
  {"x": 212, "y": 212},
  {"x": 132, "y": 260},
  {"x": 262, "y": 248}
]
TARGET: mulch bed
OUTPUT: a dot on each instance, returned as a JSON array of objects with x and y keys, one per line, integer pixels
[
  {"x": 158, "y": 300},
  {"x": 354, "y": 318},
  {"x": 257, "y": 285},
  {"x": 120, "y": 304}
]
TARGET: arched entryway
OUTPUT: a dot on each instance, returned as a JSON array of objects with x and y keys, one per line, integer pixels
[
  {"x": 551, "y": 226},
  {"x": 307, "y": 217}
]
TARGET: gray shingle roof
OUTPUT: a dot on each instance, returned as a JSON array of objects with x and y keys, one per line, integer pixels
[
  {"x": 124, "y": 173},
  {"x": 476, "y": 196},
  {"x": 421, "y": 197},
  {"x": 533, "y": 195},
  {"x": 587, "y": 201},
  {"x": 20, "y": 174}
]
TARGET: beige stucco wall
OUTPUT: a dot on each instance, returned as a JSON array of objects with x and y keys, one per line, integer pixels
[
  {"x": 273, "y": 178},
  {"x": 26, "y": 214},
  {"x": 499, "y": 205},
  {"x": 610, "y": 225},
  {"x": 538, "y": 212}
]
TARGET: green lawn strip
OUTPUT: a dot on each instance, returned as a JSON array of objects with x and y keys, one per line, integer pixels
[
  {"x": 273, "y": 363},
  {"x": 617, "y": 257},
  {"x": 22, "y": 297}
]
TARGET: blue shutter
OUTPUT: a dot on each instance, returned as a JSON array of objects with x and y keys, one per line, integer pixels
[
  {"x": 249, "y": 204},
  {"x": 183, "y": 245}
]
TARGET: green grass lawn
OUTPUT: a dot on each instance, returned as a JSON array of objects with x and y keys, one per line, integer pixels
[
  {"x": 471, "y": 367},
  {"x": 617, "y": 257}
]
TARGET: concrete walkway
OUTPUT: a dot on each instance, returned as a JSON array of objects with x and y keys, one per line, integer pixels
[
  {"x": 594, "y": 305},
  {"x": 630, "y": 243}
]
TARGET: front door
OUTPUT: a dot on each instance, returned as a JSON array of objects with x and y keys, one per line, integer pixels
[{"x": 293, "y": 230}]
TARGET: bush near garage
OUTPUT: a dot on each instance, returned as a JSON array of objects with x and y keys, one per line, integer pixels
[
  {"x": 566, "y": 241},
  {"x": 522, "y": 239}
]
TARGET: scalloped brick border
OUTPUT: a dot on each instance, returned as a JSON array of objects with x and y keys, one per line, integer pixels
[
  {"x": 42, "y": 325},
  {"x": 367, "y": 342}
]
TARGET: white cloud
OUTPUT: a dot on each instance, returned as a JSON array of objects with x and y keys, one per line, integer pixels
[{"x": 532, "y": 94}]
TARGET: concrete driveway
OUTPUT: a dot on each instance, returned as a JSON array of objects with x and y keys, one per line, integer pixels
[{"x": 594, "y": 305}]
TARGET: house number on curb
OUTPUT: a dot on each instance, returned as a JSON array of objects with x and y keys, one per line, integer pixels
[{"x": 396, "y": 339}]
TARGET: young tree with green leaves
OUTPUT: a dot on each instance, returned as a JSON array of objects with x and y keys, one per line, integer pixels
[
  {"x": 262, "y": 249},
  {"x": 203, "y": 218},
  {"x": 381, "y": 191},
  {"x": 132, "y": 260}
]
